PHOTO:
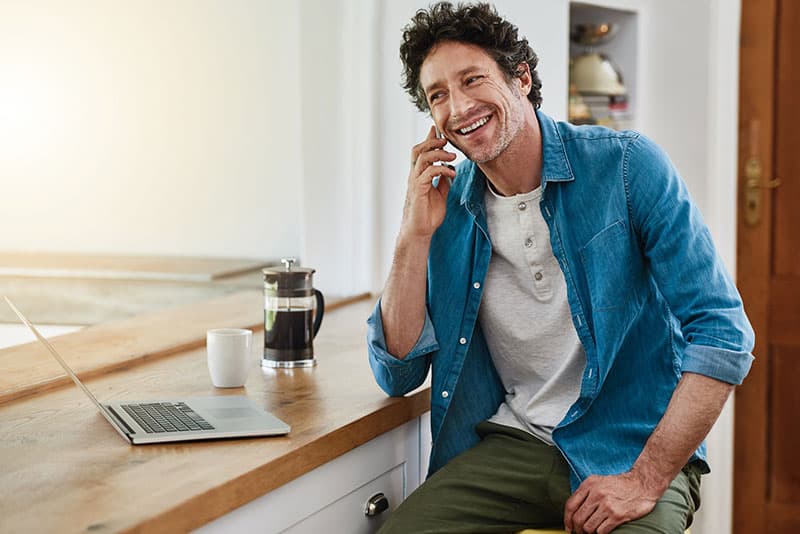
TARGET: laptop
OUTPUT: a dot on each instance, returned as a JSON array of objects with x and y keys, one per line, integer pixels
[{"x": 189, "y": 419}]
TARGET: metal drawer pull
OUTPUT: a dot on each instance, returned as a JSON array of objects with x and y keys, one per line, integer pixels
[{"x": 376, "y": 504}]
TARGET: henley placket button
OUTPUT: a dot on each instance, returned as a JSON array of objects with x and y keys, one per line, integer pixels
[
  {"x": 528, "y": 243},
  {"x": 463, "y": 341},
  {"x": 522, "y": 206},
  {"x": 538, "y": 276},
  {"x": 445, "y": 394}
]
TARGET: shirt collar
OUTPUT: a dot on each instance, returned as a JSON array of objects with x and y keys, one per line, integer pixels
[{"x": 555, "y": 165}]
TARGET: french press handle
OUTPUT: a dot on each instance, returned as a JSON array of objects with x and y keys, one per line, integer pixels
[{"x": 320, "y": 310}]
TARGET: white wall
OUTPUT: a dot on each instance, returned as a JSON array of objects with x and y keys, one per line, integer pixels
[
  {"x": 339, "y": 138},
  {"x": 720, "y": 211},
  {"x": 151, "y": 127},
  {"x": 244, "y": 128}
]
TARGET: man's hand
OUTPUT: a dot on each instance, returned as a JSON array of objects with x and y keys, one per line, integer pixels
[
  {"x": 403, "y": 301},
  {"x": 602, "y": 503},
  {"x": 426, "y": 205}
]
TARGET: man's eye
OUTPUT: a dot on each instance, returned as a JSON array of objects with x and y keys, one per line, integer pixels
[
  {"x": 473, "y": 79},
  {"x": 435, "y": 96}
]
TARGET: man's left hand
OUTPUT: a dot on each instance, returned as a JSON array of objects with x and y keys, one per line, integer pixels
[{"x": 602, "y": 503}]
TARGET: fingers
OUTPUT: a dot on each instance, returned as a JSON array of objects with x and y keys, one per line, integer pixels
[
  {"x": 426, "y": 177},
  {"x": 424, "y": 146},
  {"x": 572, "y": 505},
  {"x": 608, "y": 526},
  {"x": 581, "y": 519},
  {"x": 595, "y": 518},
  {"x": 593, "y": 521},
  {"x": 602, "y": 503},
  {"x": 449, "y": 181},
  {"x": 430, "y": 151},
  {"x": 426, "y": 159}
]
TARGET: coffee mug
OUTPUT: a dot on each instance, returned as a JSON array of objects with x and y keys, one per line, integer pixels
[{"x": 229, "y": 351}]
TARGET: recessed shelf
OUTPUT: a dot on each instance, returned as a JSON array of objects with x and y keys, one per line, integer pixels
[{"x": 620, "y": 50}]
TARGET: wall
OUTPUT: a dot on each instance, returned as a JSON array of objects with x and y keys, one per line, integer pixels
[
  {"x": 151, "y": 127},
  {"x": 339, "y": 134}
]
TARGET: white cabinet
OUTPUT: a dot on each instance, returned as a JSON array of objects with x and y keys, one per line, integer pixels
[{"x": 332, "y": 497}]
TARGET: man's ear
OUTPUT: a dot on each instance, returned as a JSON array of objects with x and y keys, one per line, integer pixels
[{"x": 523, "y": 74}]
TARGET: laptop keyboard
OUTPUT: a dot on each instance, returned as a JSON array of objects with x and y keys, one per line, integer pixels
[{"x": 166, "y": 417}]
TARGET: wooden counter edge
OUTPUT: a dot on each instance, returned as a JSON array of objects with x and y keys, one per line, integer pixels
[
  {"x": 197, "y": 340},
  {"x": 202, "y": 509}
]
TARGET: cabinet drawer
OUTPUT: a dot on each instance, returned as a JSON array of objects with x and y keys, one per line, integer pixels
[{"x": 346, "y": 515}]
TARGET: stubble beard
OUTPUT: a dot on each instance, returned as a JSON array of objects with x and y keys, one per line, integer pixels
[{"x": 514, "y": 124}]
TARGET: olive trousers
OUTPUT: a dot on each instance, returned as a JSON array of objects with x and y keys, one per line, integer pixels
[{"x": 511, "y": 481}]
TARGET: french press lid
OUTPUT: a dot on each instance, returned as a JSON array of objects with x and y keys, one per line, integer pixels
[{"x": 289, "y": 281}]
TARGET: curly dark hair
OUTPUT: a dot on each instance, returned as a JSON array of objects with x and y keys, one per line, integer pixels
[{"x": 477, "y": 24}]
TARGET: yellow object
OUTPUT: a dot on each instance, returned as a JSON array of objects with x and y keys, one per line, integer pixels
[{"x": 548, "y": 531}]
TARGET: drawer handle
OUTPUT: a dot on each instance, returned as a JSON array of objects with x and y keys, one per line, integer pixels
[{"x": 376, "y": 504}]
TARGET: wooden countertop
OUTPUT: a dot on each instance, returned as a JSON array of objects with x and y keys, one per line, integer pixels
[
  {"x": 29, "y": 369},
  {"x": 63, "y": 468}
]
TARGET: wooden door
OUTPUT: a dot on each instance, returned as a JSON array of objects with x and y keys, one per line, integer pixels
[{"x": 767, "y": 412}]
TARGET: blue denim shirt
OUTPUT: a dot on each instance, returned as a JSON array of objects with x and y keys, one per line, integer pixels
[{"x": 649, "y": 297}]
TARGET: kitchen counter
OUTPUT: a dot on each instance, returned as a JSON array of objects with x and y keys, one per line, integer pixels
[{"x": 64, "y": 468}]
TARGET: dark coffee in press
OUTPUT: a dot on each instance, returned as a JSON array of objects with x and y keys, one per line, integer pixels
[
  {"x": 293, "y": 312},
  {"x": 289, "y": 330}
]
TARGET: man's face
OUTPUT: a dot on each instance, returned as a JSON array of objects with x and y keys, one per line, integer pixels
[{"x": 470, "y": 100}]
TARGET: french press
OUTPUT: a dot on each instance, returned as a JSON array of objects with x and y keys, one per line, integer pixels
[{"x": 293, "y": 312}]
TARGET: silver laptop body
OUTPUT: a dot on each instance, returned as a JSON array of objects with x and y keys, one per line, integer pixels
[{"x": 188, "y": 419}]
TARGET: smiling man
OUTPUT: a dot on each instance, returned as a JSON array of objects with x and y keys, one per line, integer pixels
[{"x": 582, "y": 332}]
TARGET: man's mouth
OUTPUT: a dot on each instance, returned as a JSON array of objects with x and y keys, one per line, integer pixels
[{"x": 474, "y": 126}]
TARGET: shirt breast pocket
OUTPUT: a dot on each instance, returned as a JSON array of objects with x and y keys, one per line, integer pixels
[{"x": 610, "y": 270}]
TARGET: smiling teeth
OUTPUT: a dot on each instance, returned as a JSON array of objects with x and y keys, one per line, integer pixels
[{"x": 477, "y": 124}]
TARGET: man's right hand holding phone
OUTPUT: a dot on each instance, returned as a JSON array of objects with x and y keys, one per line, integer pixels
[
  {"x": 426, "y": 204},
  {"x": 403, "y": 300}
]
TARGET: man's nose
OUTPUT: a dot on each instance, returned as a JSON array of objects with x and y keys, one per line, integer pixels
[{"x": 460, "y": 103}]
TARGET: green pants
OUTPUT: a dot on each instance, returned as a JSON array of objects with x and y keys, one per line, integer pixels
[{"x": 511, "y": 481}]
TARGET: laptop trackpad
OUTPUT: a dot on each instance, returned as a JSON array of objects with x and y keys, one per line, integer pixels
[{"x": 232, "y": 413}]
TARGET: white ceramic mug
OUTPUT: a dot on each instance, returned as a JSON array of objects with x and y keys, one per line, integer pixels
[{"x": 229, "y": 356}]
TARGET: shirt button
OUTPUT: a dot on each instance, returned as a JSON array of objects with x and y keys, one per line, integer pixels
[
  {"x": 528, "y": 243},
  {"x": 476, "y": 285},
  {"x": 522, "y": 206},
  {"x": 445, "y": 394},
  {"x": 463, "y": 341},
  {"x": 538, "y": 276}
]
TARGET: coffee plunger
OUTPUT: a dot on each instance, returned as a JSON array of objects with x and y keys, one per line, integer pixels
[{"x": 293, "y": 312}]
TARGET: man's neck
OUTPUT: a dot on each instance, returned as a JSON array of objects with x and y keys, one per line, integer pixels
[{"x": 519, "y": 168}]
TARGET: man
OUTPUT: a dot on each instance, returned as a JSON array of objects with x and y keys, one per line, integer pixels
[{"x": 582, "y": 332}]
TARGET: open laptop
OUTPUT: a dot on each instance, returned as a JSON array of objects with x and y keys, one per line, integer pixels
[{"x": 188, "y": 419}]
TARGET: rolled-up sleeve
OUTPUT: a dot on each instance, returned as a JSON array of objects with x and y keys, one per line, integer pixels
[
  {"x": 687, "y": 268},
  {"x": 395, "y": 376},
  {"x": 726, "y": 365}
]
